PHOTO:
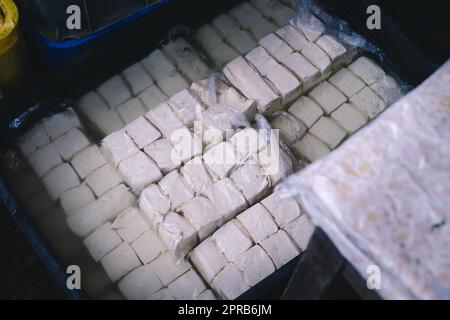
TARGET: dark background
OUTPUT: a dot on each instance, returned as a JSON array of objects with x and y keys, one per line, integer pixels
[{"x": 425, "y": 24}]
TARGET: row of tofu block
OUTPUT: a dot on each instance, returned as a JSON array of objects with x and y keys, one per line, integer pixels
[
  {"x": 252, "y": 246},
  {"x": 315, "y": 124},
  {"x": 143, "y": 86}
]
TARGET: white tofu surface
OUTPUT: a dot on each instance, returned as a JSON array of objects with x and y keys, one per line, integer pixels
[
  {"x": 258, "y": 222},
  {"x": 196, "y": 175},
  {"x": 284, "y": 209},
  {"x": 88, "y": 160},
  {"x": 251, "y": 181},
  {"x": 367, "y": 70},
  {"x": 152, "y": 97},
  {"x": 347, "y": 82},
  {"x": 33, "y": 139},
  {"x": 255, "y": 264},
  {"x": 102, "y": 241},
  {"x": 154, "y": 205},
  {"x": 230, "y": 282},
  {"x": 131, "y": 110},
  {"x": 301, "y": 231},
  {"x": 168, "y": 269},
  {"x": 44, "y": 159},
  {"x": 311, "y": 148},
  {"x": 240, "y": 39},
  {"x": 157, "y": 64},
  {"x": 348, "y": 117},
  {"x": 176, "y": 188},
  {"x": 232, "y": 239},
  {"x": 178, "y": 235},
  {"x": 328, "y": 97},
  {"x": 187, "y": 287},
  {"x": 103, "y": 179},
  {"x": 139, "y": 171},
  {"x": 186, "y": 106},
  {"x": 76, "y": 198},
  {"x": 137, "y": 78},
  {"x": 114, "y": 91},
  {"x": 118, "y": 146},
  {"x": 208, "y": 259},
  {"x": 140, "y": 283},
  {"x": 290, "y": 127},
  {"x": 71, "y": 143},
  {"x": 60, "y": 179},
  {"x": 369, "y": 102},
  {"x": 306, "y": 110},
  {"x": 163, "y": 118},
  {"x": 220, "y": 159},
  {"x": 148, "y": 246},
  {"x": 130, "y": 224},
  {"x": 120, "y": 261},
  {"x": 163, "y": 153},
  {"x": 328, "y": 131},
  {"x": 58, "y": 124},
  {"x": 280, "y": 248}
]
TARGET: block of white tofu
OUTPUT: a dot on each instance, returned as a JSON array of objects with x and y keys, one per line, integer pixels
[
  {"x": 347, "y": 82},
  {"x": 317, "y": 57},
  {"x": 230, "y": 283},
  {"x": 58, "y": 124},
  {"x": 349, "y": 118},
  {"x": 283, "y": 208},
  {"x": 172, "y": 83},
  {"x": 367, "y": 70},
  {"x": 76, "y": 198},
  {"x": 60, "y": 179},
  {"x": 154, "y": 205},
  {"x": 388, "y": 89},
  {"x": 52, "y": 224},
  {"x": 206, "y": 295},
  {"x": 142, "y": 132},
  {"x": 163, "y": 118},
  {"x": 137, "y": 78},
  {"x": 71, "y": 143},
  {"x": 255, "y": 264},
  {"x": 307, "y": 110},
  {"x": 311, "y": 148},
  {"x": 167, "y": 268},
  {"x": 152, "y": 97},
  {"x": 221, "y": 159},
  {"x": 220, "y": 52},
  {"x": 368, "y": 102},
  {"x": 196, "y": 175},
  {"x": 227, "y": 198},
  {"x": 148, "y": 246},
  {"x": 275, "y": 163},
  {"x": 328, "y": 131},
  {"x": 187, "y": 287},
  {"x": 251, "y": 19},
  {"x": 38, "y": 203},
  {"x": 44, "y": 159},
  {"x": 202, "y": 214},
  {"x": 187, "y": 59},
  {"x": 280, "y": 248},
  {"x": 258, "y": 222},
  {"x": 163, "y": 153},
  {"x": 250, "y": 83},
  {"x": 290, "y": 127},
  {"x": 335, "y": 50},
  {"x": 328, "y": 97},
  {"x": 157, "y": 64},
  {"x": 118, "y": 146},
  {"x": 294, "y": 61},
  {"x": 279, "y": 77},
  {"x": 240, "y": 39},
  {"x": 208, "y": 259},
  {"x": 248, "y": 142},
  {"x": 186, "y": 106},
  {"x": 115, "y": 91},
  {"x": 103, "y": 240},
  {"x": 130, "y": 224},
  {"x": 163, "y": 294},
  {"x": 177, "y": 234},
  {"x": 101, "y": 118},
  {"x": 293, "y": 37},
  {"x": 33, "y": 139},
  {"x": 120, "y": 261},
  {"x": 140, "y": 283},
  {"x": 139, "y": 171},
  {"x": 174, "y": 185},
  {"x": 311, "y": 27},
  {"x": 131, "y": 110},
  {"x": 251, "y": 181},
  {"x": 104, "y": 209},
  {"x": 186, "y": 145},
  {"x": 276, "y": 10},
  {"x": 301, "y": 231},
  {"x": 88, "y": 160},
  {"x": 103, "y": 179},
  {"x": 232, "y": 239}
]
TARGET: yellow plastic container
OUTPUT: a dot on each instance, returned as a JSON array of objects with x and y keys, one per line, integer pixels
[{"x": 11, "y": 55}]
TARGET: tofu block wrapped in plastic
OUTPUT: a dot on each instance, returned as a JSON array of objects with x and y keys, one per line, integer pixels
[{"x": 383, "y": 196}]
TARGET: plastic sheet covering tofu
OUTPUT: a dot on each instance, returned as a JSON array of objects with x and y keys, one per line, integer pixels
[{"x": 383, "y": 196}]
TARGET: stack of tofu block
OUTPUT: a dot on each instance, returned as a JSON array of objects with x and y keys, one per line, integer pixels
[
  {"x": 156, "y": 205},
  {"x": 315, "y": 124}
]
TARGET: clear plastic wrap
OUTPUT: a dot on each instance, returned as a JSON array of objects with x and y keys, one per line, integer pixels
[{"x": 383, "y": 196}]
